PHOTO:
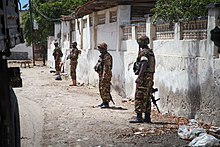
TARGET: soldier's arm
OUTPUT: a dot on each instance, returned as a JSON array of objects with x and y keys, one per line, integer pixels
[
  {"x": 143, "y": 68},
  {"x": 107, "y": 66},
  {"x": 79, "y": 51},
  {"x": 61, "y": 54}
]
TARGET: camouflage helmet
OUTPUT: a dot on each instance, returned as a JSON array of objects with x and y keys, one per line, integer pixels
[
  {"x": 102, "y": 46},
  {"x": 74, "y": 43},
  {"x": 143, "y": 40}
]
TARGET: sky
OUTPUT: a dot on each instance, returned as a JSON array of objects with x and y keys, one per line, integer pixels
[{"x": 23, "y": 2}]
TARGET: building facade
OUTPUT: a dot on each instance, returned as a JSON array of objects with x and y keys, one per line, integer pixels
[{"x": 187, "y": 61}]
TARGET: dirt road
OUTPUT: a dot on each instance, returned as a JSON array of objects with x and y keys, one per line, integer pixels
[{"x": 54, "y": 114}]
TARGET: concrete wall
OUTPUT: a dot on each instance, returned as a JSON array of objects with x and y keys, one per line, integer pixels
[
  {"x": 88, "y": 37},
  {"x": 23, "y": 48},
  {"x": 50, "y": 48},
  {"x": 187, "y": 71},
  {"x": 187, "y": 79},
  {"x": 188, "y": 76}
]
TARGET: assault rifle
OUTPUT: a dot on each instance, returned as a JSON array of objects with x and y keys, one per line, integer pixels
[{"x": 154, "y": 101}]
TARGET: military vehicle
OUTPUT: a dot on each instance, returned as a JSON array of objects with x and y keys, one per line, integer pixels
[{"x": 10, "y": 36}]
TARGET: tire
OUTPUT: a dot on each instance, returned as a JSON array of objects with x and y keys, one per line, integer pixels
[{"x": 16, "y": 120}]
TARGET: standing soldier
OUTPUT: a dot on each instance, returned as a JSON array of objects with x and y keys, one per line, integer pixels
[
  {"x": 144, "y": 81},
  {"x": 74, "y": 54},
  {"x": 57, "y": 53},
  {"x": 104, "y": 69}
]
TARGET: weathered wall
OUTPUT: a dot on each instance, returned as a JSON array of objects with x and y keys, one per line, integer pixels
[
  {"x": 188, "y": 75},
  {"x": 50, "y": 48},
  {"x": 187, "y": 71},
  {"x": 187, "y": 79}
]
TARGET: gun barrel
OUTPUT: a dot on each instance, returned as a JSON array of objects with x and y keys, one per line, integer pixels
[{"x": 154, "y": 90}]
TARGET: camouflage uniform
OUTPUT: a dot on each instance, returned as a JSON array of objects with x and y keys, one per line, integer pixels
[
  {"x": 104, "y": 69},
  {"x": 57, "y": 53},
  {"x": 74, "y": 54},
  {"x": 144, "y": 81}
]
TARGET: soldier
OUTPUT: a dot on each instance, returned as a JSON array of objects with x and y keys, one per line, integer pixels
[
  {"x": 57, "y": 53},
  {"x": 104, "y": 69},
  {"x": 74, "y": 54},
  {"x": 144, "y": 81}
]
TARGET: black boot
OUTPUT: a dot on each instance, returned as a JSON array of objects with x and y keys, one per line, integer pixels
[
  {"x": 147, "y": 118},
  {"x": 138, "y": 119},
  {"x": 105, "y": 105},
  {"x": 100, "y": 105}
]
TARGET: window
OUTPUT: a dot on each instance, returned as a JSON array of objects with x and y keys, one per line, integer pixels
[
  {"x": 113, "y": 16},
  {"x": 73, "y": 25},
  {"x": 101, "y": 19},
  {"x": 84, "y": 23},
  {"x": 90, "y": 21}
]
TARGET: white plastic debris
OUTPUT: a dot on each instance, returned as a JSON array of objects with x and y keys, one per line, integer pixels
[
  {"x": 189, "y": 132},
  {"x": 193, "y": 122},
  {"x": 205, "y": 140}
]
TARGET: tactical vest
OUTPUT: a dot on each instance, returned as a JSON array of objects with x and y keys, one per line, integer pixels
[{"x": 151, "y": 59}]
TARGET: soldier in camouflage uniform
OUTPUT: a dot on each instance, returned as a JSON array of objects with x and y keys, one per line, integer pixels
[
  {"x": 104, "y": 69},
  {"x": 144, "y": 81},
  {"x": 74, "y": 54},
  {"x": 57, "y": 53}
]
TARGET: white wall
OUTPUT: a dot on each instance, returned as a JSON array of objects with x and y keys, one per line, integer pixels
[
  {"x": 187, "y": 71},
  {"x": 23, "y": 48}
]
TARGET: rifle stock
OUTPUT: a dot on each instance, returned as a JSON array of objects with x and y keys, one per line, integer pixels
[{"x": 154, "y": 101}]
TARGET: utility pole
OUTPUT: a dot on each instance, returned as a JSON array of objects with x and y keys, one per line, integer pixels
[{"x": 32, "y": 34}]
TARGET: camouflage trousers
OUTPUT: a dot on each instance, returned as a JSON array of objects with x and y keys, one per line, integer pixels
[
  {"x": 104, "y": 90},
  {"x": 73, "y": 71},
  {"x": 143, "y": 94},
  {"x": 57, "y": 65}
]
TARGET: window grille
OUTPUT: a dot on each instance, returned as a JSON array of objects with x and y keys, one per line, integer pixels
[
  {"x": 113, "y": 16},
  {"x": 101, "y": 19}
]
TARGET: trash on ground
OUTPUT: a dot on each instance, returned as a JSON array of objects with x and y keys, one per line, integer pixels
[{"x": 205, "y": 139}]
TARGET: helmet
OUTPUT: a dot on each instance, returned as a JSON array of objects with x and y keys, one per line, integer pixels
[
  {"x": 74, "y": 43},
  {"x": 143, "y": 40},
  {"x": 102, "y": 46}
]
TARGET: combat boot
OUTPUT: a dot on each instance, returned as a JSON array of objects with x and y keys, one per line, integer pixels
[
  {"x": 139, "y": 119},
  {"x": 100, "y": 105},
  {"x": 105, "y": 105},
  {"x": 58, "y": 77},
  {"x": 147, "y": 118},
  {"x": 74, "y": 83}
]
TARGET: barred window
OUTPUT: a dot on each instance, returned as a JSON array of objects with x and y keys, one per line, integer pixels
[
  {"x": 84, "y": 23},
  {"x": 90, "y": 21},
  {"x": 73, "y": 25},
  {"x": 101, "y": 19},
  {"x": 113, "y": 16}
]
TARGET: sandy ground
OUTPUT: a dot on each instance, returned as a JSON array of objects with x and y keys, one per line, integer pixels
[{"x": 53, "y": 114}]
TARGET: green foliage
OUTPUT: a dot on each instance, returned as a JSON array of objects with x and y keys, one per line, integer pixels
[
  {"x": 180, "y": 10},
  {"x": 26, "y": 27},
  {"x": 45, "y": 13}
]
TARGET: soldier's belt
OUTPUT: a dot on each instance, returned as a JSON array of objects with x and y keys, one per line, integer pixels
[{"x": 144, "y": 88}]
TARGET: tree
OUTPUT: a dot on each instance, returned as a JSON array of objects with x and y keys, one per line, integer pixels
[
  {"x": 45, "y": 13},
  {"x": 180, "y": 10}
]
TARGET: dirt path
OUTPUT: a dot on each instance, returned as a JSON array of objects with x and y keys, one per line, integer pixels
[{"x": 54, "y": 114}]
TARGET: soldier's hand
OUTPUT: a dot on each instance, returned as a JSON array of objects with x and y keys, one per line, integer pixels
[{"x": 138, "y": 80}]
